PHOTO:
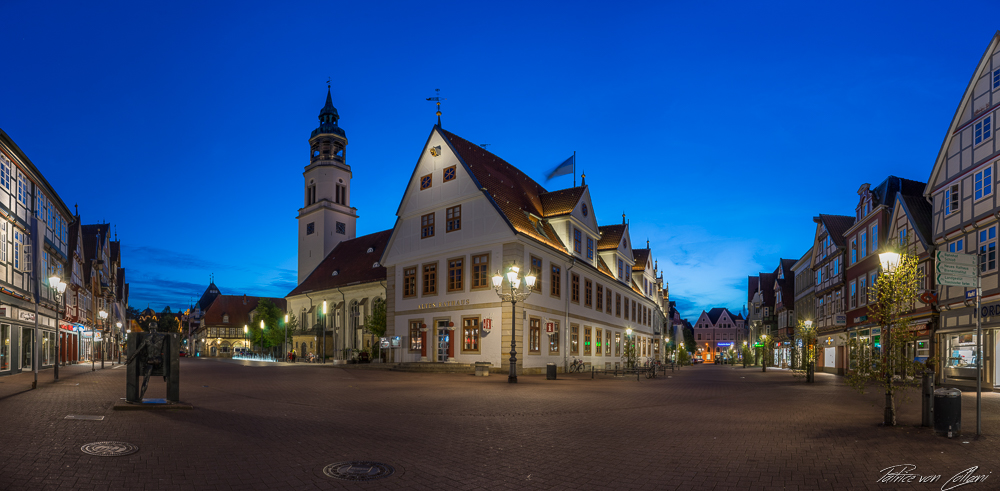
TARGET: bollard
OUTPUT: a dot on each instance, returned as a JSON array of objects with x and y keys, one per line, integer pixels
[{"x": 927, "y": 401}]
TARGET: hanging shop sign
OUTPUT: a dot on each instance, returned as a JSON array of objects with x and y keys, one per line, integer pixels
[
  {"x": 487, "y": 324},
  {"x": 26, "y": 316},
  {"x": 550, "y": 327}
]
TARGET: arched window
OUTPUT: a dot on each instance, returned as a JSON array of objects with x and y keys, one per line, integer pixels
[{"x": 355, "y": 314}]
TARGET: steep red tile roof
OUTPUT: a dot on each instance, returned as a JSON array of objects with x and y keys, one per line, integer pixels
[
  {"x": 238, "y": 308},
  {"x": 836, "y": 225},
  {"x": 352, "y": 262},
  {"x": 514, "y": 194},
  {"x": 561, "y": 202},
  {"x": 611, "y": 236}
]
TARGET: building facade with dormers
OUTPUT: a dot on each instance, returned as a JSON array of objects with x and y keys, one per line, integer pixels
[
  {"x": 829, "y": 253},
  {"x": 466, "y": 214},
  {"x": 965, "y": 209},
  {"x": 784, "y": 309},
  {"x": 717, "y": 331},
  {"x": 865, "y": 239}
]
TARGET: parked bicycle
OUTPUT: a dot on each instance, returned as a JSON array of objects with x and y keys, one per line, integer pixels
[{"x": 576, "y": 366}]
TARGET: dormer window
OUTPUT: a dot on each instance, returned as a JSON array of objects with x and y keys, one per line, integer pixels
[
  {"x": 370, "y": 250},
  {"x": 335, "y": 272},
  {"x": 225, "y": 318},
  {"x": 375, "y": 265}
]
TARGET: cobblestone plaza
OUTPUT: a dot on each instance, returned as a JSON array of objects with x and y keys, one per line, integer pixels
[{"x": 277, "y": 426}]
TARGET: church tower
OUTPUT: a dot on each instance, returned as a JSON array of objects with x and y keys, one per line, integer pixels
[{"x": 326, "y": 217}]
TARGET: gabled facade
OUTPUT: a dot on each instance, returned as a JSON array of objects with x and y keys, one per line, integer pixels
[
  {"x": 717, "y": 331},
  {"x": 964, "y": 204},
  {"x": 910, "y": 229},
  {"x": 829, "y": 253},
  {"x": 466, "y": 214}
]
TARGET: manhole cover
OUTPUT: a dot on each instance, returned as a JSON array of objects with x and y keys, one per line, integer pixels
[
  {"x": 358, "y": 470},
  {"x": 109, "y": 449}
]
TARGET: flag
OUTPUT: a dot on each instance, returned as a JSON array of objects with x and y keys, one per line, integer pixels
[{"x": 567, "y": 167}]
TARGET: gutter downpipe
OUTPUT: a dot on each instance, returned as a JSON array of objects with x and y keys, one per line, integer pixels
[
  {"x": 386, "y": 301},
  {"x": 565, "y": 339}
]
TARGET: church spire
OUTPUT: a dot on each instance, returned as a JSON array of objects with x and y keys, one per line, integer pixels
[{"x": 329, "y": 113}]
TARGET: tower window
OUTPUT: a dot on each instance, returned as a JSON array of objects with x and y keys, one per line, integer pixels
[
  {"x": 341, "y": 195},
  {"x": 310, "y": 194},
  {"x": 310, "y": 228},
  {"x": 341, "y": 228}
]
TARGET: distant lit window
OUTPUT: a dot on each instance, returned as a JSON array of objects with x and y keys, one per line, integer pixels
[
  {"x": 957, "y": 246},
  {"x": 996, "y": 78},
  {"x": 951, "y": 196}
]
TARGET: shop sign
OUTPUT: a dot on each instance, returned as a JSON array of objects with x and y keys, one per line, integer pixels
[
  {"x": 550, "y": 327},
  {"x": 723, "y": 344},
  {"x": 860, "y": 319},
  {"x": 3, "y": 312},
  {"x": 840, "y": 320},
  {"x": 26, "y": 316},
  {"x": 989, "y": 310},
  {"x": 487, "y": 324},
  {"x": 450, "y": 303}
]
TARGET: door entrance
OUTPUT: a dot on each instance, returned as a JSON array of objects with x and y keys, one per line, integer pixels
[
  {"x": 442, "y": 341},
  {"x": 27, "y": 348}
]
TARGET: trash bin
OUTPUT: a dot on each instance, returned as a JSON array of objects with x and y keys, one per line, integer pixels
[
  {"x": 550, "y": 371},
  {"x": 948, "y": 412}
]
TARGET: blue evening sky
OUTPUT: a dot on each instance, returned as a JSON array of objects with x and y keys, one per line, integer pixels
[{"x": 719, "y": 128}]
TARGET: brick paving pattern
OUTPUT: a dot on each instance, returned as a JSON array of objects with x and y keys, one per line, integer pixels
[{"x": 258, "y": 426}]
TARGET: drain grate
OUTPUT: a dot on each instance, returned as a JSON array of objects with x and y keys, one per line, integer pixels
[
  {"x": 109, "y": 449},
  {"x": 87, "y": 417},
  {"x": 358, "y": 470}
]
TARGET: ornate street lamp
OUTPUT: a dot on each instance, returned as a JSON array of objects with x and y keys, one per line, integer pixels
[
  {"x": 262, "y": 338},
  {"x": 284, "y": 346},
  {"x": 809, "y": 334},
  {"x": 57, "y": 283},
  {"x": 246, "y": 339},
  {"x": 515, "y": 294}
]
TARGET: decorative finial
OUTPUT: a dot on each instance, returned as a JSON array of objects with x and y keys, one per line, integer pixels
[
  {"x": 623, "y": 218},
  {"x": 437, "y": 98},
  {"x": 76, "y": 209},
  {"x": 328, "y": 83},
  {"x": 583, "y": 178},
  {"x": 647, "y": 243}
]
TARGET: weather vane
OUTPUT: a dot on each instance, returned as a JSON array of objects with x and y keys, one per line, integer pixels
[{"x": 437, "y": 98}]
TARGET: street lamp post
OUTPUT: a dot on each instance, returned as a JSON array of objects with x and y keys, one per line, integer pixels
[
  {"x": 60, "y": 287},
  {"x": 629, "y": 349},
  {"x": 284, "y": 345},
  {"x": 119, "y": 325},
  {"x": 262, "y": 338},
  {"x": 515, "y": 294},
  {"x": 811, "y": 367},
  {"x": 246, "y": 339},
  {"x": 889, "y": 260},
  {"x": 103, "y": 315},
  {"x": 763, "y": 352}
]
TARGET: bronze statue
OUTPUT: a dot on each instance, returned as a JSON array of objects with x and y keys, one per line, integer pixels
[{"x": 150, "y": 357}]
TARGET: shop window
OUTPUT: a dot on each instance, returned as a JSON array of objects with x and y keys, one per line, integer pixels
[
  {"x": 416, "y": 340},
  {"x": 554, "y": 339},
  {"x": 586, "y": 341}
]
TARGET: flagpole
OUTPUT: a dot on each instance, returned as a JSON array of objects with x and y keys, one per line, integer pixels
[{"x": 574, "y": 168}]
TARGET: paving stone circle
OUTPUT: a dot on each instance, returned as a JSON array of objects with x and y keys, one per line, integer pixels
[
  {"x": 109, "y": 449},
  {"x": 358, "y": 470}
]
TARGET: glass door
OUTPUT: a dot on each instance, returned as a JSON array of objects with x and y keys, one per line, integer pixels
[
  {"x": 442, "y": 341},
  {"x": 27, "y": 348}
]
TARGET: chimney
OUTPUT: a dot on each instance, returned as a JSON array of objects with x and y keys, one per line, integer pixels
[{"x": 244, "y": 299}]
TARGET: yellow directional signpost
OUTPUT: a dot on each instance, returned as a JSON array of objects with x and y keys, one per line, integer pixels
[{"x": 956, "y": 269}]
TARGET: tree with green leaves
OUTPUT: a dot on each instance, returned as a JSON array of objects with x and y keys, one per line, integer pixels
[
  {"x": 273, "y": 333},
  {"x": 884, "y": 361},
  {"x": 748, "y": 355},
  {"x": 375, "y": 324},
  {"x": 628, "y": 352},
  {"x": 805, "y": 333},
  {"x": 166, "y": 323},
  {"x": 688, "y": 339}
]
